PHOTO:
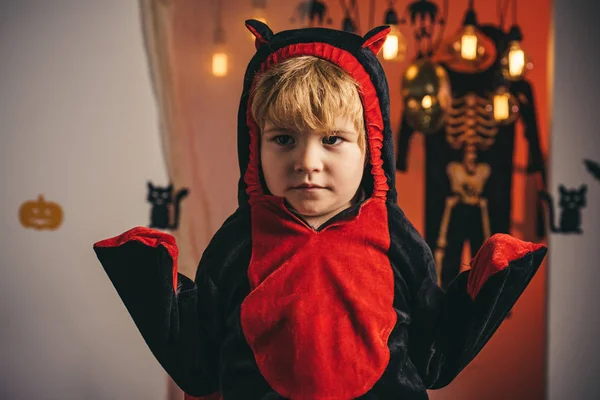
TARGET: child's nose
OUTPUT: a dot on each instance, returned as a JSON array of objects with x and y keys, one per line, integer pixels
[{"x": 309, "y": 159}]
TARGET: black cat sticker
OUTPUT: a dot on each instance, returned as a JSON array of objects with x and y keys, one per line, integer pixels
[
  {"x": 163, "y": 200},
  {"x": 571, "y": 202}
]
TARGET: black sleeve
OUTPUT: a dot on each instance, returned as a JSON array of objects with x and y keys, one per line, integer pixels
[
  {"x": 179, "y": 326},
  {"x": 448, "y": 329}
]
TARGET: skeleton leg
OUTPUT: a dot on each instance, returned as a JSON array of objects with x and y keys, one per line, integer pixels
[
  {"x": 442, "y": 240},
  {"x": 485, "y": 219}
]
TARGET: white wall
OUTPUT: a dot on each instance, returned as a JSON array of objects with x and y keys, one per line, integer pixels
[
  {"x": 574, "y": 267},
  {"x": 77, "y": 124}
]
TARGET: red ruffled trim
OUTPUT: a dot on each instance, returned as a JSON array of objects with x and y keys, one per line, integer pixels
[
  {"x": 370, "y": 101},
  {"x": 149, "y": 237}
]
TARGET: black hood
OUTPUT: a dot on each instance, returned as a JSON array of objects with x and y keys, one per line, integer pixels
[{"x": 357, "y": 55}]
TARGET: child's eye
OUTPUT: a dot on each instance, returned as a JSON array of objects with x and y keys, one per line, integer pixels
[
  {"x": 283, "y": 140},
  {"x": 332, "y": 140}
]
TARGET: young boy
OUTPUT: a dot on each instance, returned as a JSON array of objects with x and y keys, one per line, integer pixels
[
  {"x": 317, "y": 287},
  {"x": 312, "y": 137}
]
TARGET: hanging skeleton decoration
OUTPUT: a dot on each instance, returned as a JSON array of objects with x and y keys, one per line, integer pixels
[
  {"x": 470, "y": 126},
  {"x": 469, "y": 163}
]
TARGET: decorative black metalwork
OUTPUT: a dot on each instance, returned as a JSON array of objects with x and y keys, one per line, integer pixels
[{"x": 313, "y": 12}]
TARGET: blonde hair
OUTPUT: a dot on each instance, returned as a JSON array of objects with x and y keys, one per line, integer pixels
[{"x": 307, "y": 93}]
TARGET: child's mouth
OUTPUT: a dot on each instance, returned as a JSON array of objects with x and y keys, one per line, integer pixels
[{"x": 307, "y": 186}]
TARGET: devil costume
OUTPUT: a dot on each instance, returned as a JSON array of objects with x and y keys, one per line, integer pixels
[{"x": 279, "y": 310}]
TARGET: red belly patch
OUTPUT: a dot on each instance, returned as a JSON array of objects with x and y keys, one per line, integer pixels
[{"x": 319, "y": 313}]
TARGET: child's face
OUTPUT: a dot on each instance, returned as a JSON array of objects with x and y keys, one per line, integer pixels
[{"x": 332, "y": 163}]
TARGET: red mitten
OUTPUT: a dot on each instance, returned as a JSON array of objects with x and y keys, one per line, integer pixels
[
  {"x": 494, "y": 255},
  {"x": 149, "y": 237}
]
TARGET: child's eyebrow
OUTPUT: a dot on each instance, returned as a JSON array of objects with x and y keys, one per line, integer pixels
[
  {"x": 276, "y": 129},
  {"x": 339, "y": 131},
  {"x": 329, "y": 132}
]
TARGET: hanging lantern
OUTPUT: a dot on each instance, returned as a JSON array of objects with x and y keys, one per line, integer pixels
[
  {"x": 504, "y": 106},
  {"x": 220, "y": 57},
  {"x": 469, "y": 42},
  {"x": 427, "y": 95},
  {"x": 468, "y": 45},
  {"x": 219, "y": 63},
  {"x": 394, "y": 47},
  {"x": 515, "y": 62},
  {"x": 469, "y": 50}
]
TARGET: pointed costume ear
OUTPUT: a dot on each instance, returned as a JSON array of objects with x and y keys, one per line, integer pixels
[
  {"x": 261, "y": 32},
  {"x": 375, "y": 38}
]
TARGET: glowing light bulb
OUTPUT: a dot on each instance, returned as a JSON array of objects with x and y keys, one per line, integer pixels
[
  {"x": 394, "y": 47},
  {"x": 501, "y": 105},
  {"x": 390, "y": 47},
  {"x": 411, "y": 72},
  {"x": 426, "y": 102},
  {"x": 516, "y": 61},
  {"x": 468, "y": 43},
  {"x": 219, "y": 64}
]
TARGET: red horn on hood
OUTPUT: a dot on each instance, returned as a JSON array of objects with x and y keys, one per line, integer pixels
[
  {"x": 375, "y": 38},
  {"x": 261, "y": 32}
]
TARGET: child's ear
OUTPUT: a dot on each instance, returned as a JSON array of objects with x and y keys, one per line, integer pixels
[
  {"x": 375, "y": 38},
  {"x": 262, "y": 33}
]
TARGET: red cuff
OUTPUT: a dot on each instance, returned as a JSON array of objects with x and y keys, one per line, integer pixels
[
  {"x": 495, "y": 255},
  {"x": 148, "y": 237}
]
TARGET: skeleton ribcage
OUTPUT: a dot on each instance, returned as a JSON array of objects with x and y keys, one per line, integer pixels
[{"x": 470, "y": 122}]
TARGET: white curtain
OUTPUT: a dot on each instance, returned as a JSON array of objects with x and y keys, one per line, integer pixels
[{"x": 194, "y": 229}]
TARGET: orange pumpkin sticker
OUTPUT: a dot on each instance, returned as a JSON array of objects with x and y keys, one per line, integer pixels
[{"x": 40, "y": 214}]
